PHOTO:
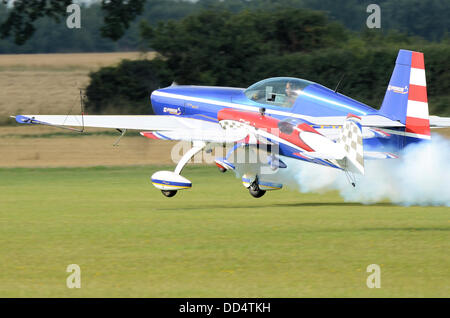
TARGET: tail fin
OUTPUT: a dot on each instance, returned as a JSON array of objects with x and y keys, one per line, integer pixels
[
  {"x": 352, "y": 140},
  {"x": 406, "y": 96}
]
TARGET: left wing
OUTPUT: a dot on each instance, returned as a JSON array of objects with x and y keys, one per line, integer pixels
[
  {"x": 167, "y": 127},
  {"x": 137, "y": 122}
]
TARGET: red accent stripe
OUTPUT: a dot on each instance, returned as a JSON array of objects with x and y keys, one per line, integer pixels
[
  {"x": 246, "y": 141},
  {"x": 417, "y": 60},
  {"x": 301, "y": 156},
  {"x": 220, "y": 166},
  {"x": 267, "y": 123},
  {"x": 351, "y": 115},
  {"x": 382, "y": 132},
  {"x": 306, "y": 127},
  {"x": 393, "y": 155},
  {"x": 149, "y": 135},
  {"x": 418, "y": 126},
  {"x": 418, "y": 93}
]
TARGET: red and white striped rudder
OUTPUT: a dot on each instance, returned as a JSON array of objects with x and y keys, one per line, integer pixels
[{"x": 417, "y": 117}]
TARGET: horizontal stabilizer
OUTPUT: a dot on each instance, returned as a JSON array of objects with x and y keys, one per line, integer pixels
[
  {"x": 379, "y": 155},
  {"x": 439, "y": 122}
]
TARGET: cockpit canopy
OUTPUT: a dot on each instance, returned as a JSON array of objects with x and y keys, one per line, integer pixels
[{"x": 277, "y": 91}]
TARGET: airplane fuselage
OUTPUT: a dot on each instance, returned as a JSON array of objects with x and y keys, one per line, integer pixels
[{"x": 206, "y": 103}]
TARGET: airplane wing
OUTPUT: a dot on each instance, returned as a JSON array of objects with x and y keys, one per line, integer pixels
[
  {"x": 157, "y": 122},
  {"x": 137, "y": 122},
  {"x": 165, "y": 127}
]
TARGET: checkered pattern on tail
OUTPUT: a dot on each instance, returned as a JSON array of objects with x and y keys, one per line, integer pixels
[{"x": 352, "y": 141}]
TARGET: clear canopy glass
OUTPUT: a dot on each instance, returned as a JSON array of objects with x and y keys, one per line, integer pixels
[{"x": 277, "y": 91}]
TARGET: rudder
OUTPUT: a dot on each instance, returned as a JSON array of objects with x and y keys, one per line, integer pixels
[{"x": 406, "y": 96}]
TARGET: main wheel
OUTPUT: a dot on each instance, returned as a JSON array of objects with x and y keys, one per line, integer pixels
[
  {"x": 255, "y": 191},
  {"x": 169, "y": 193},
  {"x": 221, "y": 169}
]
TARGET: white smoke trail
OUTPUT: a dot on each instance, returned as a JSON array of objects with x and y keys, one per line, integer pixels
[{"x": 421, "y": 176}]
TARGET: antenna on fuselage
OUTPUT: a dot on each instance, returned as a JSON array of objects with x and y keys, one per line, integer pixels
[{"x": 337, "y": 86}]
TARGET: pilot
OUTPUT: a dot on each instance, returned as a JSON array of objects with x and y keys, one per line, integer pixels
[{"x": 292, "y": 91}]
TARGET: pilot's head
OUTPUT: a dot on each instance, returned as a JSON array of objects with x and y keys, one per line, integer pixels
[{"x": 292, "y": 89}]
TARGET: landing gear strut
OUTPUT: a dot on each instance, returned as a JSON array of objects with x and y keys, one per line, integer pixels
[{"x": 170, "y": 182}]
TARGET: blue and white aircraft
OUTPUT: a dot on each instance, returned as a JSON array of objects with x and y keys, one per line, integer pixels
[{"x": 302, "y": 120}]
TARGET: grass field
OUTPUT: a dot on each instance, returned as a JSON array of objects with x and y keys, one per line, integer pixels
[{"x": 211, "y": 241}]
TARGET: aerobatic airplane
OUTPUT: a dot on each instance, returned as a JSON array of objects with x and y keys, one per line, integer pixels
[{"x": 302, "y": 120}]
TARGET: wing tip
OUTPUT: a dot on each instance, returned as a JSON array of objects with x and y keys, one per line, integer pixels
[{"x": 21, "y": 119}]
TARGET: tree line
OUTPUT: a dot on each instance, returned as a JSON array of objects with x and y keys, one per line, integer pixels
[
  {"x": 39, "y": 25},
  {"x": 236, "y": 43},
  {"x": 221, "y": 47}
]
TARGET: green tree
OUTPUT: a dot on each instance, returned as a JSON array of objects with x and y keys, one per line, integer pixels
[
  {"x": 220, "y": 48},
  {"x": 21, "y": 20},
  {"x": 424, "y": 18},
  {"x": 125, "y": 88}
]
